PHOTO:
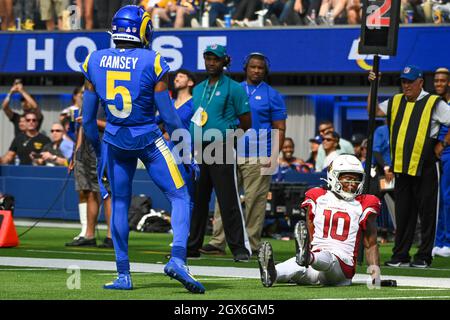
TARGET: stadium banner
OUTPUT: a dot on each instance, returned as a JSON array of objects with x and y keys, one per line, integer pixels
[{"x": 290, "y": 50}]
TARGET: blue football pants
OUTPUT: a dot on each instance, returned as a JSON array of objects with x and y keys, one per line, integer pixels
[{"x": 166, "y": 174}]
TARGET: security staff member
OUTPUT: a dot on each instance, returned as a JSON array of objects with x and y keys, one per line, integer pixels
[
  {"x": 219, "y": 103},
  {"x": 414, "y": 117},
  {"x": 268, "y": 112}
]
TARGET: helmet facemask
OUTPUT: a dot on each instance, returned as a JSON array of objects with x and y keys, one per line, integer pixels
[{"x": 345, "y": 164}]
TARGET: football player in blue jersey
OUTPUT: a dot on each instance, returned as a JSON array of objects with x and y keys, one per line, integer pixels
[{"x": 131, "y": 83}]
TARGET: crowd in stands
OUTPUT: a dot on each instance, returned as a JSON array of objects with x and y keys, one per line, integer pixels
[{"x": 97, "y": 14}]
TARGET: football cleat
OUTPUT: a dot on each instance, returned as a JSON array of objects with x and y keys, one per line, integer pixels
[
  {"x": 123, "y": 282},
  {"x": 267, "y": 269},
  {"x": 301, "y": 234},
  {"x": 179, "y": 271}
]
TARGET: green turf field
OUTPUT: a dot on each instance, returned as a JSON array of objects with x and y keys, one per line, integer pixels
[{"x": 48, "y": 283}]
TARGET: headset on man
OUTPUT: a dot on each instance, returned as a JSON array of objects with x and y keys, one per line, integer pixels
[{"x": 257, "y": 55}]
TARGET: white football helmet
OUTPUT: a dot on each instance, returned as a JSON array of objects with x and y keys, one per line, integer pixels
[{"x": 345, "y": 163}]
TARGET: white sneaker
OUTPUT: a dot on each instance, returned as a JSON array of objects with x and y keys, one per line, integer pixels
[
  {"x": 436, "y": 251},
  {"x": 444, "y": 252}
]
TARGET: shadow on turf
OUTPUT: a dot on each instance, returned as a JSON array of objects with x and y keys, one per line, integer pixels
[{"x": 173, "y": 284}]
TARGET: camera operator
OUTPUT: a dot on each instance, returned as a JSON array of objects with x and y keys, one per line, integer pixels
[
  {"x": 27, "y": 103},
  {"x": 26, "y": 145}
]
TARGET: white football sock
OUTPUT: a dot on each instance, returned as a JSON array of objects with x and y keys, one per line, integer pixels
[{"x": 82, "y": 209}]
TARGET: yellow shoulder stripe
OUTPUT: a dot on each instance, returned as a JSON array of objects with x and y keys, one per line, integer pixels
[
  {"x": 421, "y": 135},
  {"x": 85, "y": 64},
  {"x": 157, "y": 65}
]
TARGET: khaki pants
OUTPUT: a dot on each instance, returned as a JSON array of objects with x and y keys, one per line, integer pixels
[{"x": 256, "y": 187}]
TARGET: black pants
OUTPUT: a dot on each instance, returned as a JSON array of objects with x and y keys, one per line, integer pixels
[
  {"x": 222, "y": 177},
  {"x": 416, "y": 196}
]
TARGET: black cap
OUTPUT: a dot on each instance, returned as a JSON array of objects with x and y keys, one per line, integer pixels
[{"x": 357, "y": 139}]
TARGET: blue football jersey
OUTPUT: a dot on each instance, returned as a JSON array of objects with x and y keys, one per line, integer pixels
[{"x": 124, "y": 80}]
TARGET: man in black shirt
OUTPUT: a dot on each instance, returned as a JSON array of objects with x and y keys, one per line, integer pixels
[
  {"x": 27, "y": 146},
  {"x": 28, "y": 104}
]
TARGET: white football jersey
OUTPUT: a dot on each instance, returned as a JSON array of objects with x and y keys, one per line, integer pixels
[{"x": 338, "y": 223}]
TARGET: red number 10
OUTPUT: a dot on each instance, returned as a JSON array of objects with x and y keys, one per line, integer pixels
[{"x": 333, "y": 221}]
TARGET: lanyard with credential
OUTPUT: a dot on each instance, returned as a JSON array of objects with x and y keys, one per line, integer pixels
[
  {"x": 249, "y": 94},
  {"x": 210, "y": 97}
]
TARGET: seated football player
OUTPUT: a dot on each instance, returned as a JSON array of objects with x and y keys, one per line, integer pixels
[{"x": 327, "y": 239}]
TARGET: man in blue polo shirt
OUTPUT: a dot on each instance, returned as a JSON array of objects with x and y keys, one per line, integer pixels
[
  {"x": 254, "y": 149},
  {"x": 220, "y": 107}
]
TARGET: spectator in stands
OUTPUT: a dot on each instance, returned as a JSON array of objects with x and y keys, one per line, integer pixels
[
  {"x": 24, "y": 9},
  {"x": 331, "y": 147},
  {"x": 49, "y": 8},
  {"x": 86, "y": 8},
  {"x": 246, "y": 11},
  {"x": 27, "y": 103},
  {"x": 354, "y": 11},
  {"x": 300, "y": 12},
  {"x": 288, "y": 162},
  {"x": 163, "y": 9},
  {"x": 53, "y": 153},
  {"x": 331, "y": 12},
  {"x": 217, "y": 9},
  {"x": 22, "y": 123},
  {"x": 268, "y": 112},
  {"x": 26, "y": 146},
  {"x": 7, "y": 15},
  {"x": 327, "y": 126},
  {"x": 314, "y": 144},
  {"x": 357, "y": 140},
  {"x": 185, "y": 11},
  {"x": 413, "y": 6},
  {"x": 274, "y": 10}
]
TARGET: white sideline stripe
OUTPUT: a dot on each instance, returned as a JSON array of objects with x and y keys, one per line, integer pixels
[
  {"x": 72, "y": 252},
  {"x": 52, "y": 224},
  {"x": 233, "y": 272},
  {"x": 423, "y": 289}
]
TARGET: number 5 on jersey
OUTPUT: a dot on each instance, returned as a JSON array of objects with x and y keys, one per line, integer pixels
[{"x": 112, "y": 91}]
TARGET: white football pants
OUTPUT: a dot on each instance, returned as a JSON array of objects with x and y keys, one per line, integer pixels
[{"x": 324, "y": 270}]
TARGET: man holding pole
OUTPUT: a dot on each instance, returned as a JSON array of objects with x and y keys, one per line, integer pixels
[{"x": 414, "y": 117}]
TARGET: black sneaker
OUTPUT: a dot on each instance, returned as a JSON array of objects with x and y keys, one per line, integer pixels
[
  {"x": 267, "y": 269},
  {"x": 419, "y": 264},
  {"x": 82, "y": 242},
  {"x": 301, "y": 235},
  {"x": 396, "y": 263},
  {"x": 210, "y": 249},
  {"x": 107, "y": 243},
  {"x": 241, "y": 257}
]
